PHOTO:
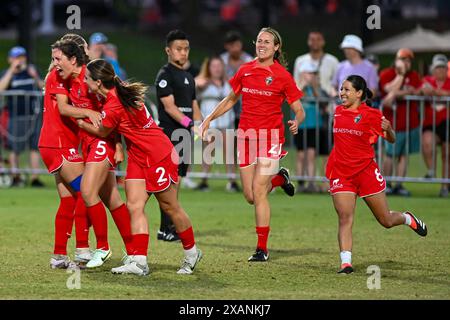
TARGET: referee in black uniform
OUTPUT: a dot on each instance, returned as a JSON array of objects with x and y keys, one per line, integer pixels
[{"x": 178, "y": 108}]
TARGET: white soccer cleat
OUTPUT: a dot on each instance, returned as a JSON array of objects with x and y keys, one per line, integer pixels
[
  {"x": 82, "y": 256},
  {"x": 189, "y": 263},
  {"x": 99, "y": 258},
  {"x": 132, "y": 266},
  {"x": 59, "y": 261},
  {"x": 188, "y": 183}
]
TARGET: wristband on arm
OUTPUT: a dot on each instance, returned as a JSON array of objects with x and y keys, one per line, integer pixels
[{"x": 186, "y": 122}]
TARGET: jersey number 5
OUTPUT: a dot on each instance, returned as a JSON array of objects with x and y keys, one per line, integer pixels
[{"x": 101, "y": 149}]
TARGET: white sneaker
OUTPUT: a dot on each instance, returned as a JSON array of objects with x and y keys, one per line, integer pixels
[
  {"x": 98, "y": 258},
  {"x": 189, "y": 263},
  {"x": 82, "y": 256},
  {"x": 188, "y": 183},
  {"x": 131, "y": 266},
  {"x": 59, "y": 261}
]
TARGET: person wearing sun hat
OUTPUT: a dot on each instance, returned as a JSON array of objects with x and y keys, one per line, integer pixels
[
  {"x": 435, "y": 131},
  {"x": 355, "y": 64},
  {"x": 396, "y": 82}
]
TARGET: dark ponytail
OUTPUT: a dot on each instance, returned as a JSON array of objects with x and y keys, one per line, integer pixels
[
  {"x": 359, "y": 83},
  {"x": 130, "y": 94}
]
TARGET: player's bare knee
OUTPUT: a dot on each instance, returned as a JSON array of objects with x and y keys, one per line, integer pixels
[
  {"x": 135, "y": 207},
  {"x": 248, "y": 196},
  {"x": 88, "y": 196},
  {"x": 345, "y": 219}
]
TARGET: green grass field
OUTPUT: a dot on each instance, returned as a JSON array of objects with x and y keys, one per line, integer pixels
[{"x": 303, "y": 246}]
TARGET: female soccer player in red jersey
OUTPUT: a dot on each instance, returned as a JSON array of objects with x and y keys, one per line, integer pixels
[
  {"x": 264, "y": 84},
  {"x": 352, "y": 170},
  {"x": 152, "y": 163},
  {"x": 58, "y": 145},
  {"x": 100, "y": 155}
]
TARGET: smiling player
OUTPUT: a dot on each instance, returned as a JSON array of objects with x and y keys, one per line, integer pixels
[{"x": 352, "y": 170}]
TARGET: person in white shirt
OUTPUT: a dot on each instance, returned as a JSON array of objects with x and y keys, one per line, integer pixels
[
  {"x": 326, "y": 66},
  {"x": 325, "y": 62},
  {"x": 213, "y": 87}
]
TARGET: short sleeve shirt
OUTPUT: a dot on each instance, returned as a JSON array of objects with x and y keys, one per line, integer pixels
[
  {"x": 179, "y": 83},
  {"x": 263, "y": 91},
  {"x": 57, "y": 131},
  {"x": 146, "y": 142},
  {"x": 412, "y": 79},
  {"x": 21, "y": 105},
  {"x": 354, "y": 132}
]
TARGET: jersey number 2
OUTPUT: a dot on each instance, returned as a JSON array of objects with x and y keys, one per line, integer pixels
[{"x": 161, "y": 179}]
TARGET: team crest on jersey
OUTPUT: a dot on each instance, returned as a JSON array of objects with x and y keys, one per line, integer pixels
[
  {"x": 79, "y": 92},
  {"x": 186, "y": 81},
  {"x": 357, "y": 118},
  {"x": 269, "y": 80}
]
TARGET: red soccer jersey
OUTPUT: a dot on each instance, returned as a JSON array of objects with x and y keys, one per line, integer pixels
[
  {"x": 146, "y": 142},
  {"x": 412, "y": 79},
  {"x": 263, "y": 91},
  {"x": 441, "y": 107},
  {"x": 57, "y": 131},
  {"x": 354, "y": 132},
  {"x": 80, "y": 97}
]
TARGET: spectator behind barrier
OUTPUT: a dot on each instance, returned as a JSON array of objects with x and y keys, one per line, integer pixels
[
  {"x": 396, "y": 82},
  {"x": 306, "y": 140},
  {"x": 436, "y": 122},
  {"x": 355, "y": 64},
  {"x": 327, "y": 65},
  {"x": 99, "y": 48},
  {"x": 213, "y": 87},
  {"x": 24, "y": 113},
  {"x": 234, "y": 57}
]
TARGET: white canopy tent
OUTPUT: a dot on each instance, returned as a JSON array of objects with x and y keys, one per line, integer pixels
[{"x": 418, "y": 40}]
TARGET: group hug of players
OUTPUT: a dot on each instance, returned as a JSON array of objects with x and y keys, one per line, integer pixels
[{"x": 88, "y": 107}]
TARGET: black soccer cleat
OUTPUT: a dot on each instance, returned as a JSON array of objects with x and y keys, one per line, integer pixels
[
  {"x": 288, "y": 186},
  {"x": 259, "y": 256},
  {"x": 346, "y": 268},
  {"x": 161, "y": 235},
  {"x": 171, "y": 236},
  {"x": 418, "y": 225}
]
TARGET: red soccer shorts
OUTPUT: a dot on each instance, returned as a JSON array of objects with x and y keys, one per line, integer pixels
[
  {"x": 157, "y": 177},
  {"x": 250, "y": 150},
  {"x": 366, "y": 183},
  {"x": 54, "y": 157},
  {"x": 99, "y": 150}
]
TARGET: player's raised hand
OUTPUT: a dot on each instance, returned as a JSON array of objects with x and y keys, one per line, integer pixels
[{"x": 293, "y": 126}]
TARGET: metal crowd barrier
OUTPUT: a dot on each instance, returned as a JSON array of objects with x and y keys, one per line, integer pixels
[{"x": 324, "y": 107}]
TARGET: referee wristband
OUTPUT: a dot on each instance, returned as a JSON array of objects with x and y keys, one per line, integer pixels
[{"x": 186, "y": 122}]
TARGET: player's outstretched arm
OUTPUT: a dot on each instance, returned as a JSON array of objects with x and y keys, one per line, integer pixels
[{"x": 224, "y": 106}]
